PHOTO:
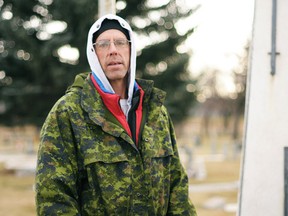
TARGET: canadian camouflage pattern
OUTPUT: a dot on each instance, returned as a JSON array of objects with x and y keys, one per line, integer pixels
[{"x": 88, "y": 165}]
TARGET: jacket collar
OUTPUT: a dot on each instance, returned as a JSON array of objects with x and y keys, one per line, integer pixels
[{"x": 92, "y": 103}]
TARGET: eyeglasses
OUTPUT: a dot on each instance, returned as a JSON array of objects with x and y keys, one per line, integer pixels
[{"x": 105, "y": 44}]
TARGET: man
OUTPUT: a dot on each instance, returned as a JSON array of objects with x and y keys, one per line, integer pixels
[{"x": 108, "y": 145}]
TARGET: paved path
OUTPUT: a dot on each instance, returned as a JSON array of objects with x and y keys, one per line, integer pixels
[
  {"x": 21, "y": 164},
  {"x": 214, "y": 187}
]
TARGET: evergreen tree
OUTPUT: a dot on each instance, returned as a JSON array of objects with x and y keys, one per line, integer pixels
[{"x": 33, "y": 75}]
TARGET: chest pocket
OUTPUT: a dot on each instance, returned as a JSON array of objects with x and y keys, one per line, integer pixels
[
  {"x": 108, "y": 174},
  {"x": 106, "y": 160}
]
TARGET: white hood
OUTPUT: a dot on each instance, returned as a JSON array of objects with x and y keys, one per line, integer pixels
[{"x": 94, "y": 62}]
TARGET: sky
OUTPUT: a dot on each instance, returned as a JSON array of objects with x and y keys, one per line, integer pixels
[{"x": 223, "y": 28}]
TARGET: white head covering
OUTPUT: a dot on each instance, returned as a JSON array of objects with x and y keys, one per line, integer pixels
[{"x": 94, "y": 62}]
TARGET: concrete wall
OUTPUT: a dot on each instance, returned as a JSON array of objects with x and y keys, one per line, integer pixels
[{"x": 266, "y": 132}]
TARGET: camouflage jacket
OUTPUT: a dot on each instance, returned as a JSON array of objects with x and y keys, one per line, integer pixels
[{"x": 88, "y": 165}]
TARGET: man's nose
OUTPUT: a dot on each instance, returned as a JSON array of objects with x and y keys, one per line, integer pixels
[{"x": 112, "y": 48}]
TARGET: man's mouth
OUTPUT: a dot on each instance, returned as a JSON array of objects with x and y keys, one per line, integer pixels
[{"x": 114, "y": 63}]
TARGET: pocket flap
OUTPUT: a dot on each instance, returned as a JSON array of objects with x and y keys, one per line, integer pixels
[{"x": 105, "y": 152}]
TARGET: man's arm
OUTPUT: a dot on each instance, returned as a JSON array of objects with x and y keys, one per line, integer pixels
[{"x": 56, "y": 174}]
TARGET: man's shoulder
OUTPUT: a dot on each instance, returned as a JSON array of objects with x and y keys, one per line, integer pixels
[
  {"x": 79, "y": 82},
  {"x": 74, "y": 92}
]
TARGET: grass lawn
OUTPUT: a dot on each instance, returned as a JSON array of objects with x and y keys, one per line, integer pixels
[
  {"x": 217, "y": 172},
  {"x": 17, "y": 195}
]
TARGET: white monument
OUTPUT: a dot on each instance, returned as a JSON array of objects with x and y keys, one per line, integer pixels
[{"x": 264, "y": 175}]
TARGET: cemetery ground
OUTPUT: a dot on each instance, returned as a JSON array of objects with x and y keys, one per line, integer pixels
[{"x": 212, "y": 163}]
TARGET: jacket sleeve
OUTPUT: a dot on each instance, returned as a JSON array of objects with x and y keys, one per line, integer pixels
[
  {"x": 56, "y": 174},
  {"x": 179, "y": 203}
]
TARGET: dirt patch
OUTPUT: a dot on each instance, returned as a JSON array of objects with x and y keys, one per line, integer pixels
[{"x": 17, "y": 195}]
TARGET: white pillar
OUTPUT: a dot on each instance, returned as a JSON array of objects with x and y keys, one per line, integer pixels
[
  {"x": 106, "y": 7},
  {"x": 266, "y": 119}
]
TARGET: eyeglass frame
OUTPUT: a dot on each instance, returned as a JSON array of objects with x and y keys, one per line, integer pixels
[{"x": 108, "y": 43}]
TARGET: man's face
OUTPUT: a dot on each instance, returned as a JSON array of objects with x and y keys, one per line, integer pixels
[{"x": 115, "y": 61}]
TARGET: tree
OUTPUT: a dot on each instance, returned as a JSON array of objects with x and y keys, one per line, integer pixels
[
  {"x": 34, "y": 73},
  {"x": 35, "y": 76},
  {"x": 229, "y": 105}
]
